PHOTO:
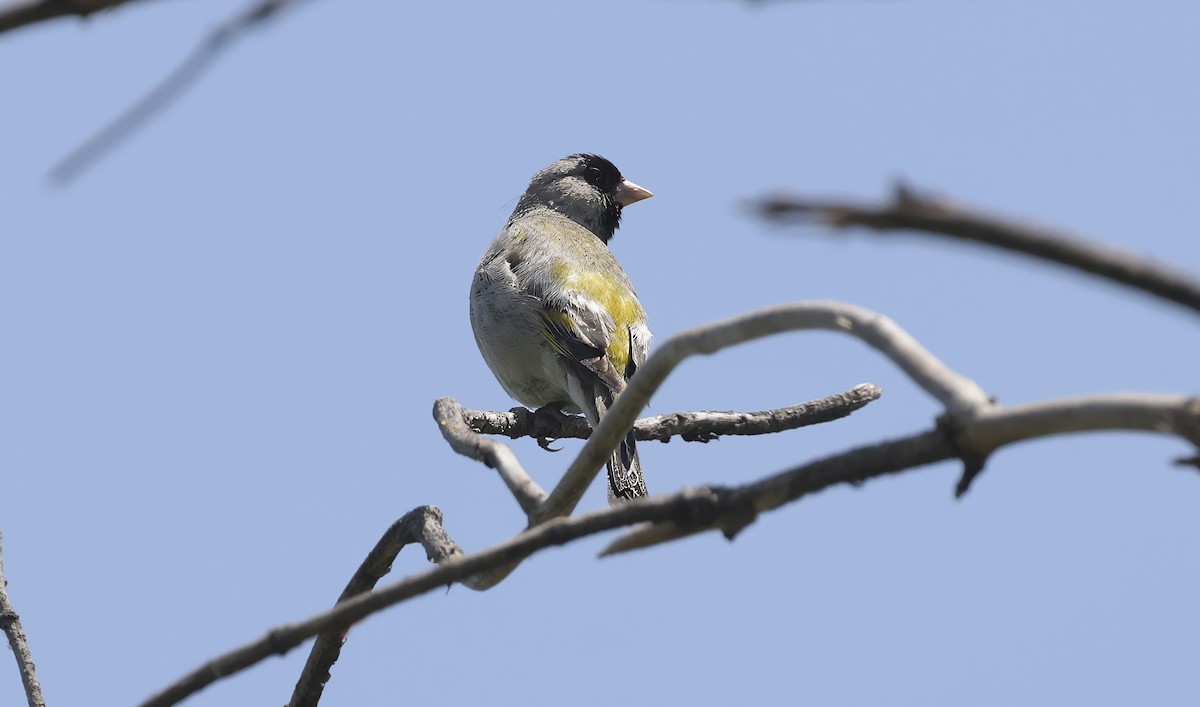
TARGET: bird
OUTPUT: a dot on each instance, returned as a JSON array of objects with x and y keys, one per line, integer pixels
[{"x": 554, "y": 314}]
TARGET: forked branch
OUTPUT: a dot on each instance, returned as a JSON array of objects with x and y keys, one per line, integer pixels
[{"x": 686, "y": 512}]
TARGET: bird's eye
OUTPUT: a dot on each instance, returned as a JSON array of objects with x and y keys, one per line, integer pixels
[{"x": 594, "y": 176}]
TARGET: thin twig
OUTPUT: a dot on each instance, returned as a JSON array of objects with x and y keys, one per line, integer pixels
[
  {"x": 28, "y": 12},
  {"x": 451, "y": 420},
  {"x": 10, "y": 623},
  {"x": 167, "y": 90},
  {"x": 421, "y": 525},
  {"x": 910, "y": 211},
  {"x": 689, "y": 426}
]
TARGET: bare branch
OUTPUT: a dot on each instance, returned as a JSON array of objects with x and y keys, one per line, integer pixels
[
  {"x": 462, "y": 429},
  {"x": 519, "y": 422},
  {"x": 740, "y": 506},
  {"x": 560, "y": 531},
  {"x": 710, "y": 425},
  {"x": 727, "y": 509},
  {"x": 170, "y": 88},
  {"x": 10, "y": 623},
  {"x": 1177, "y": 415},
  {"x": 27, "y": 12},
  {"x": 421, "y": 525},
  {"x": 960, "y": 395},
  {"x": 991, "y": 429},
  {"x": 910, "y": 211},
  {"x": 451, "y": 420},
  {"x": 689, "y": 426}
]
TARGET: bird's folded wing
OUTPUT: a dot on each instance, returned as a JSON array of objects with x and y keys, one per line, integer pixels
[{"x": 580, "y": 334}]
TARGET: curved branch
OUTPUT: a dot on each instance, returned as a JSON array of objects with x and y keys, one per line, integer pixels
[
  {"x": 10, "y": 623},
  {"x": 559, "y": 531},
  {"x": 910, "y": 211},
  {"x": 960, "y": 395},
  {"x": 421, "y": 525},
  {"x": 451, "y": 419}
]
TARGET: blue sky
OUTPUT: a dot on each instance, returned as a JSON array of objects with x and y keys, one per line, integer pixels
[{"x": 221, "y": 347}]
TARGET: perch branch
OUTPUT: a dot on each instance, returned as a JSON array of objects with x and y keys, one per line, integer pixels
[
  {"x": 910, "y": 211},
  {"x": 10, "y": 623},
  {"x": 689, "y": 426},
  {"x": 458, "y": 427},
  {"x": 728, "y": 509}
]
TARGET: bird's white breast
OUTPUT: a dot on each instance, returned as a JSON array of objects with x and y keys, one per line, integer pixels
[{"x": 508, "y": 329}]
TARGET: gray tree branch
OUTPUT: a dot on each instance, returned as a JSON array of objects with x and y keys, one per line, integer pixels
[
  {"x": 421, "y": 525},
  {"x": 170, "y": 88},
  {"x": 463, "y": 429},
  {"x": 689, "y": 426},
  {"x": 908, "y": 210},
  {"x": 10, "y": 623},
  {"x": 452, "y": 420},
  {"x": 976, "y": 437},
  {"x": 24, "y": 13}
]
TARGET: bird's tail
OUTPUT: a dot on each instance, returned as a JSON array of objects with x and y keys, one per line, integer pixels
[{"x": 625, "y": 478}]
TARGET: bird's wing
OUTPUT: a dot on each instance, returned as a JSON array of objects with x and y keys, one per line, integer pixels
[{"x": 580, "y": 333}]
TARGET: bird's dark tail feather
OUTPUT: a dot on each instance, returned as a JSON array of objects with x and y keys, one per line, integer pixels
[{"x": 625, "y": 478}]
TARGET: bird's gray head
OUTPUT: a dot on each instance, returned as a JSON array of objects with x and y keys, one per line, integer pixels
[{"x": 587, "y": 189}]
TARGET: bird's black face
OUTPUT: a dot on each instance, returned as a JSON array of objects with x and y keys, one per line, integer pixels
[
  {"x": 584, "y": 188},
  {"x": 600, "y": 173}
]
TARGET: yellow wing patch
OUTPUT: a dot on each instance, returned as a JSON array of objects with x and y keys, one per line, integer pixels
[{"x": 612, "y": 297}]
